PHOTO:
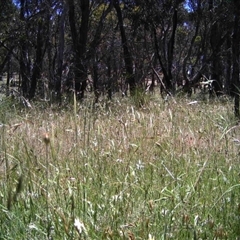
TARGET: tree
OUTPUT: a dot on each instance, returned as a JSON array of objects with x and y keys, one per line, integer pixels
[
  {"x": 218, "y": 33},
  {"x": 7, "y": 41},
  {"x": 79, "y": 32},
  {"x": 195, "y": 55},
  {"x": 235, "y": 56},
  {"x": 33, "y": 39},
  {"x": 160, "y": 18},
  {"x": 130, "y": 80},
  {"x": 60, "y": 49},
  {"x": 97, "y": 49}
]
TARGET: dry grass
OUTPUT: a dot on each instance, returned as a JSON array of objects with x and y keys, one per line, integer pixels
[{"x": 164, "y": 171}]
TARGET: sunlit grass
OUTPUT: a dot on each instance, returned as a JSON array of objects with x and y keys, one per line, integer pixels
[{"x": 162, "y": 170}]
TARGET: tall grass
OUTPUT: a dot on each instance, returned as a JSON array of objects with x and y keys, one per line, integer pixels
[{"x": 162, "y": 171}]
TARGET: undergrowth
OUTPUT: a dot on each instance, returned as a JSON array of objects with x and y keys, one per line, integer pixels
[{"x": 165, "y": 170}]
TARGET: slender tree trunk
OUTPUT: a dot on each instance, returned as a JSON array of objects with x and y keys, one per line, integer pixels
[
  {"x": 37, "y": 69},
  {"x": 58, "y": 83},
  {"x": 24, "y": 70},
  {"x": 5, "y": 60},
  {"x": 215, "y": 62},
  {"x": 82, "y": 47},
  {"x": 168, "y": 79},
  {"x": 109, "y": 81},
  {"x": 8, "y": 76},
  {"x": 130, "y": 80},
  {"x": 79, "y": 39},
  {"x": 187, "y": 87},
  {"x": 166, "y": 55},
  {"x": 228, "y": 80},
  {"x": 95, "y": 81},
  {"x": 235, "y": 56}
]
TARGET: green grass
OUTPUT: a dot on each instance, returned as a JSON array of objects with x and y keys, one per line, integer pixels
[{"x": 164, "y": 170}]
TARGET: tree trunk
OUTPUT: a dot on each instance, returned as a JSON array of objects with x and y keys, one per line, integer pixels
[
  {"x": 215, "y": 62},
  {"x": 58, "y": 83},
  {"x": 37, "y": 69},
  {"x": 130, "y": 80},
  {"x": 24, "y": 69},
  {"x": 228, "y": 80},
  {"x": 166, "y": 55},
  {"x": 6, "y": 60},
  {"x": 168, "y": 78},
  {"x": 235, "y": 56},
  {"x": 95, "y": 81},
  {"x": 8, "y": 77},
  {"x": 187, "y": 87},
  {"x": 79, "y": 39},
  {"x": 109, "y": 82}
]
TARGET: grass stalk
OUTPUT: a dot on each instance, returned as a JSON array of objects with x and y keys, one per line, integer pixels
[{"x": 46, "y": 140}]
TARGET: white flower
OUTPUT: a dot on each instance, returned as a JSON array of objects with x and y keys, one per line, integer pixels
[
  {"x": 33, "y": 226},
  {"x": 150, "y": 237},
  {"x": 139, "y": 165},
  {"x": 80, "y": 226},
  {"x": 119, "y": 160}
]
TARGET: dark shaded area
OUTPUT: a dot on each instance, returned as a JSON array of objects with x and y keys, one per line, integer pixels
[{"x": 58, "y": 47}]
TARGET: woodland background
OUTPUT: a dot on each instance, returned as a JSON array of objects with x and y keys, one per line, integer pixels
[{"x": 50, "y": 48}]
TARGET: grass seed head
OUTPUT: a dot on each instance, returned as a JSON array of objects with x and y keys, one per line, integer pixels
[{"x": 46, "y": 138}]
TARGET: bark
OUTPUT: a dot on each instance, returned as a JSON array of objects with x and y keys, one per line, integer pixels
[
  {"x": 79, "y": 39},
  {"x": 187, "y": 86},
  {"x": 82, "y": 48},
  {"x": 130, "y": 80},
  {"x": 95, "y": 81},
  {"x": 93, "y": 48},
  {"x": 37, "y": 69},
  {"x": 168, "y": 80},
  {"x": 61, "y": 43},
  {"x": 166, "y": 55},
  {"x": 109, "y": 83},
  {"x": 8, "y": 77},
  {"x": 24, "y": 69},
  {"x": 215, "y": 47},
  {"x": 164, "y": 70},
  {"x": 5, "y": 60},
  {"x": 228, "y": 81},
  {"x": 235, "y": 58}
]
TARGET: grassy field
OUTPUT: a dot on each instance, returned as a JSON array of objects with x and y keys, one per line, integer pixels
[{"x": 167, "y": 170}]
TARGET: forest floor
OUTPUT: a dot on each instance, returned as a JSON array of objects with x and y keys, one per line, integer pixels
[{"x": 162, "y": 170}]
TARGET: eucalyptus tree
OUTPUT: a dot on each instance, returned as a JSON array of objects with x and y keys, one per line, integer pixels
[
  {"x": 33, "y": 42},
  {"x": 7, "y": 34},
  {"x": 194, "y": 56},
  {"x": 140, "y": 43},
  {"x": 236, "y": 56},
  {"x": 79, "y": 13},
  {"x": 59, "y": 34},
  {"x": 127, "y": 55},
  {"x": 207, "y": 27},
  {"x": 81, "y": 20},
  {"x": 219, "y": 31},
  {"x": 98, "y": 51},
  {"x": 160, "y": 19}
]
